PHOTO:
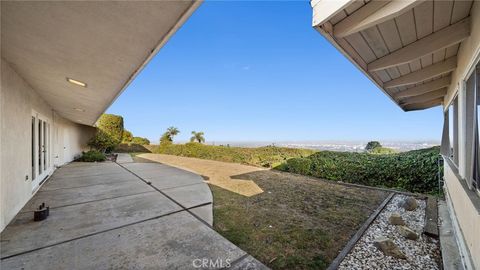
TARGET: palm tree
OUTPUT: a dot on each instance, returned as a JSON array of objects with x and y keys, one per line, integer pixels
[
  {"x": 172, "y": 132},
  {"x": 198, "y": 137},
  {"x": 169, "y": 134}
]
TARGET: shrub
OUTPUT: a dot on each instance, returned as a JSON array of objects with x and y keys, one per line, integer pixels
[
  {"x": 112, "y": 125},
  {"x": 127, "y": 136},
  {"x": 102, "y": 141},
  {"x": 109, "y": 133},
  {"x": 268, "y": 156},
  {"x": 92, "y": 156},
  {"x": 299, "y": 165},
  {"x": 382, "y": 151},
  {"x": 415, "y": 171},
  {"x": 140, "y": 140},
  {"x": 131, "y": 148}
]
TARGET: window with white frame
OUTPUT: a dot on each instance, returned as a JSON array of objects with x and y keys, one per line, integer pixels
[
  {"x": 453, "y": 130},
  {"x": 473, "y": 92}
]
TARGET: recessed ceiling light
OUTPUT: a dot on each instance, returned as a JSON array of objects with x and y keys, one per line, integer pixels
[
  {"x": 79, "y": 109},
  {"x": 82, "y": 84}
]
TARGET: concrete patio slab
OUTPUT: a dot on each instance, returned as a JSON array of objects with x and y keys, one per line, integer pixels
[
  {"x": 105, "y": 217},
  {"x": 71, "y": 222},
  {"x": 190, "y": 195},
  {"x": 204, "y": 212},
  {"x": 84, "y": 171},
  {"x": 56, "y": 182},
  {"x": 85, "y": 167},
  {"x": 176, "y": 241},
  {"x": 124, "y": 158},
  {"x": 163, "y": 176},
  {"x": 70, "y": 196}
]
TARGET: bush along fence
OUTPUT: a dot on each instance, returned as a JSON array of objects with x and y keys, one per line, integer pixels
[
  {"x": 268, "y": 156},
  {"x": 414, "y": 171}
]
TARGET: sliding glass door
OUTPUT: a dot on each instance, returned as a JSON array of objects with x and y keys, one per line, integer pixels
[{"x": 41, "y": 161}]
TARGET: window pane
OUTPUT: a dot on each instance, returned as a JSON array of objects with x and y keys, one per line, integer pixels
[
  {"x": 476, "y": 175},
  {"x": 451, "y": 127},
  {"x": 33, "y": 148},
  {"x": 40, "y": 147}
]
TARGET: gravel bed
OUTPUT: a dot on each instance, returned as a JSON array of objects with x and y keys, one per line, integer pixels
[{"x": 423, "y": 253}]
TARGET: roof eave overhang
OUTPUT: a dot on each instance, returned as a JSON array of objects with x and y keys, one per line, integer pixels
[
  {"x": 326, "y": 13},
  {"x": 331, "y": 39},
  {"x": 195, "y": 4}
]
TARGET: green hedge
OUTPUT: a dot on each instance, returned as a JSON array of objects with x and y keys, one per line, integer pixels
[
  {"x": 112, "y": 125},
  {"x": 140, "y": 140},
  {"x": 415, "y": 171},
  {"x": 131, "y": 148},
  {"x": 109, "y": 133},
  {"x": 268, "y": 156},
  {"x": 299, "y": 165}
]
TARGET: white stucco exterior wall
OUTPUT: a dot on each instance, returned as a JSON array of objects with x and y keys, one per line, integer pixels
[
  {"x": 17, "y": 101},
  {"x": 465, "y": 203}
]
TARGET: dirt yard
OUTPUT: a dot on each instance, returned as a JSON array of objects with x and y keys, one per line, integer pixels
[
  {"x": 286, "y": 221},
  {"x": 221, "y": 174}
]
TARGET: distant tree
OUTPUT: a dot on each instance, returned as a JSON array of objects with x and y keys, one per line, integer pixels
[
  {"x": 372, "y": 145},
  {"x": 127, "y": 136},
  {"x": 167, "y": 137},
  {"x": 197, "y": 137}
]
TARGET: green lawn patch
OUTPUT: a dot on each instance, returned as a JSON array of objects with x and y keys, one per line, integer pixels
[{"x": 297, "y": 222}]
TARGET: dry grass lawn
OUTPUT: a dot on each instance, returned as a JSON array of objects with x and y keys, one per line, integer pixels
[{"x": 286, "y": 221}]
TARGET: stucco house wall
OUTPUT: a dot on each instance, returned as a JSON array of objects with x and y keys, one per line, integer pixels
[
  {"x": 464, "y": 203},
  {"x": 17, "y": 101}
]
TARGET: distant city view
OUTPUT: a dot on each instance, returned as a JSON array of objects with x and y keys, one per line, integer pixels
[{"x": 342, "y": 146}]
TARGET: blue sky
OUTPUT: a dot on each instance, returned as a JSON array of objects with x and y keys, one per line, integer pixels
[{"x": 258, "y": 71}]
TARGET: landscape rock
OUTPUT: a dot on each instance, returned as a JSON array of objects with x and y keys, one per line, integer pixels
[
  {"x": 407, "y": 233},
  {"x": 396, "y": 219},
  {"x": 388, "y": 247},
  {"x": 424, "y": 253},
  {"x": 410, "y": 204}
]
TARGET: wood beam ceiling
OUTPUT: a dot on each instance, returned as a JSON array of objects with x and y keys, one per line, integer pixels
[
  {"x": 436, "y": 41},
  {"x": 424, "y": 88},
  {"x": 440, "y": 93},
  {"x": 373, "y": 14},
  {"x": 424, "y": 74}
]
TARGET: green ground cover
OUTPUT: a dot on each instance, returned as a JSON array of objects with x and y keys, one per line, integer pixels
[{"x": 414, "y": 171}]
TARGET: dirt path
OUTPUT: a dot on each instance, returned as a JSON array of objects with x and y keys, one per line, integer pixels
[{"x": 221, "y": 174}]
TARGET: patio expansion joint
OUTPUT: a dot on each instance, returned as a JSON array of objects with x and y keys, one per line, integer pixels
[
  {"x": 186, "y": 185},
  {"x": 103, "y": 231},
  {"x": 104, "y": 199},
  {"x": 121, "y": 181},
  {"x": 169, "y": 197},
  {"x": 69, "y": 178}
]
